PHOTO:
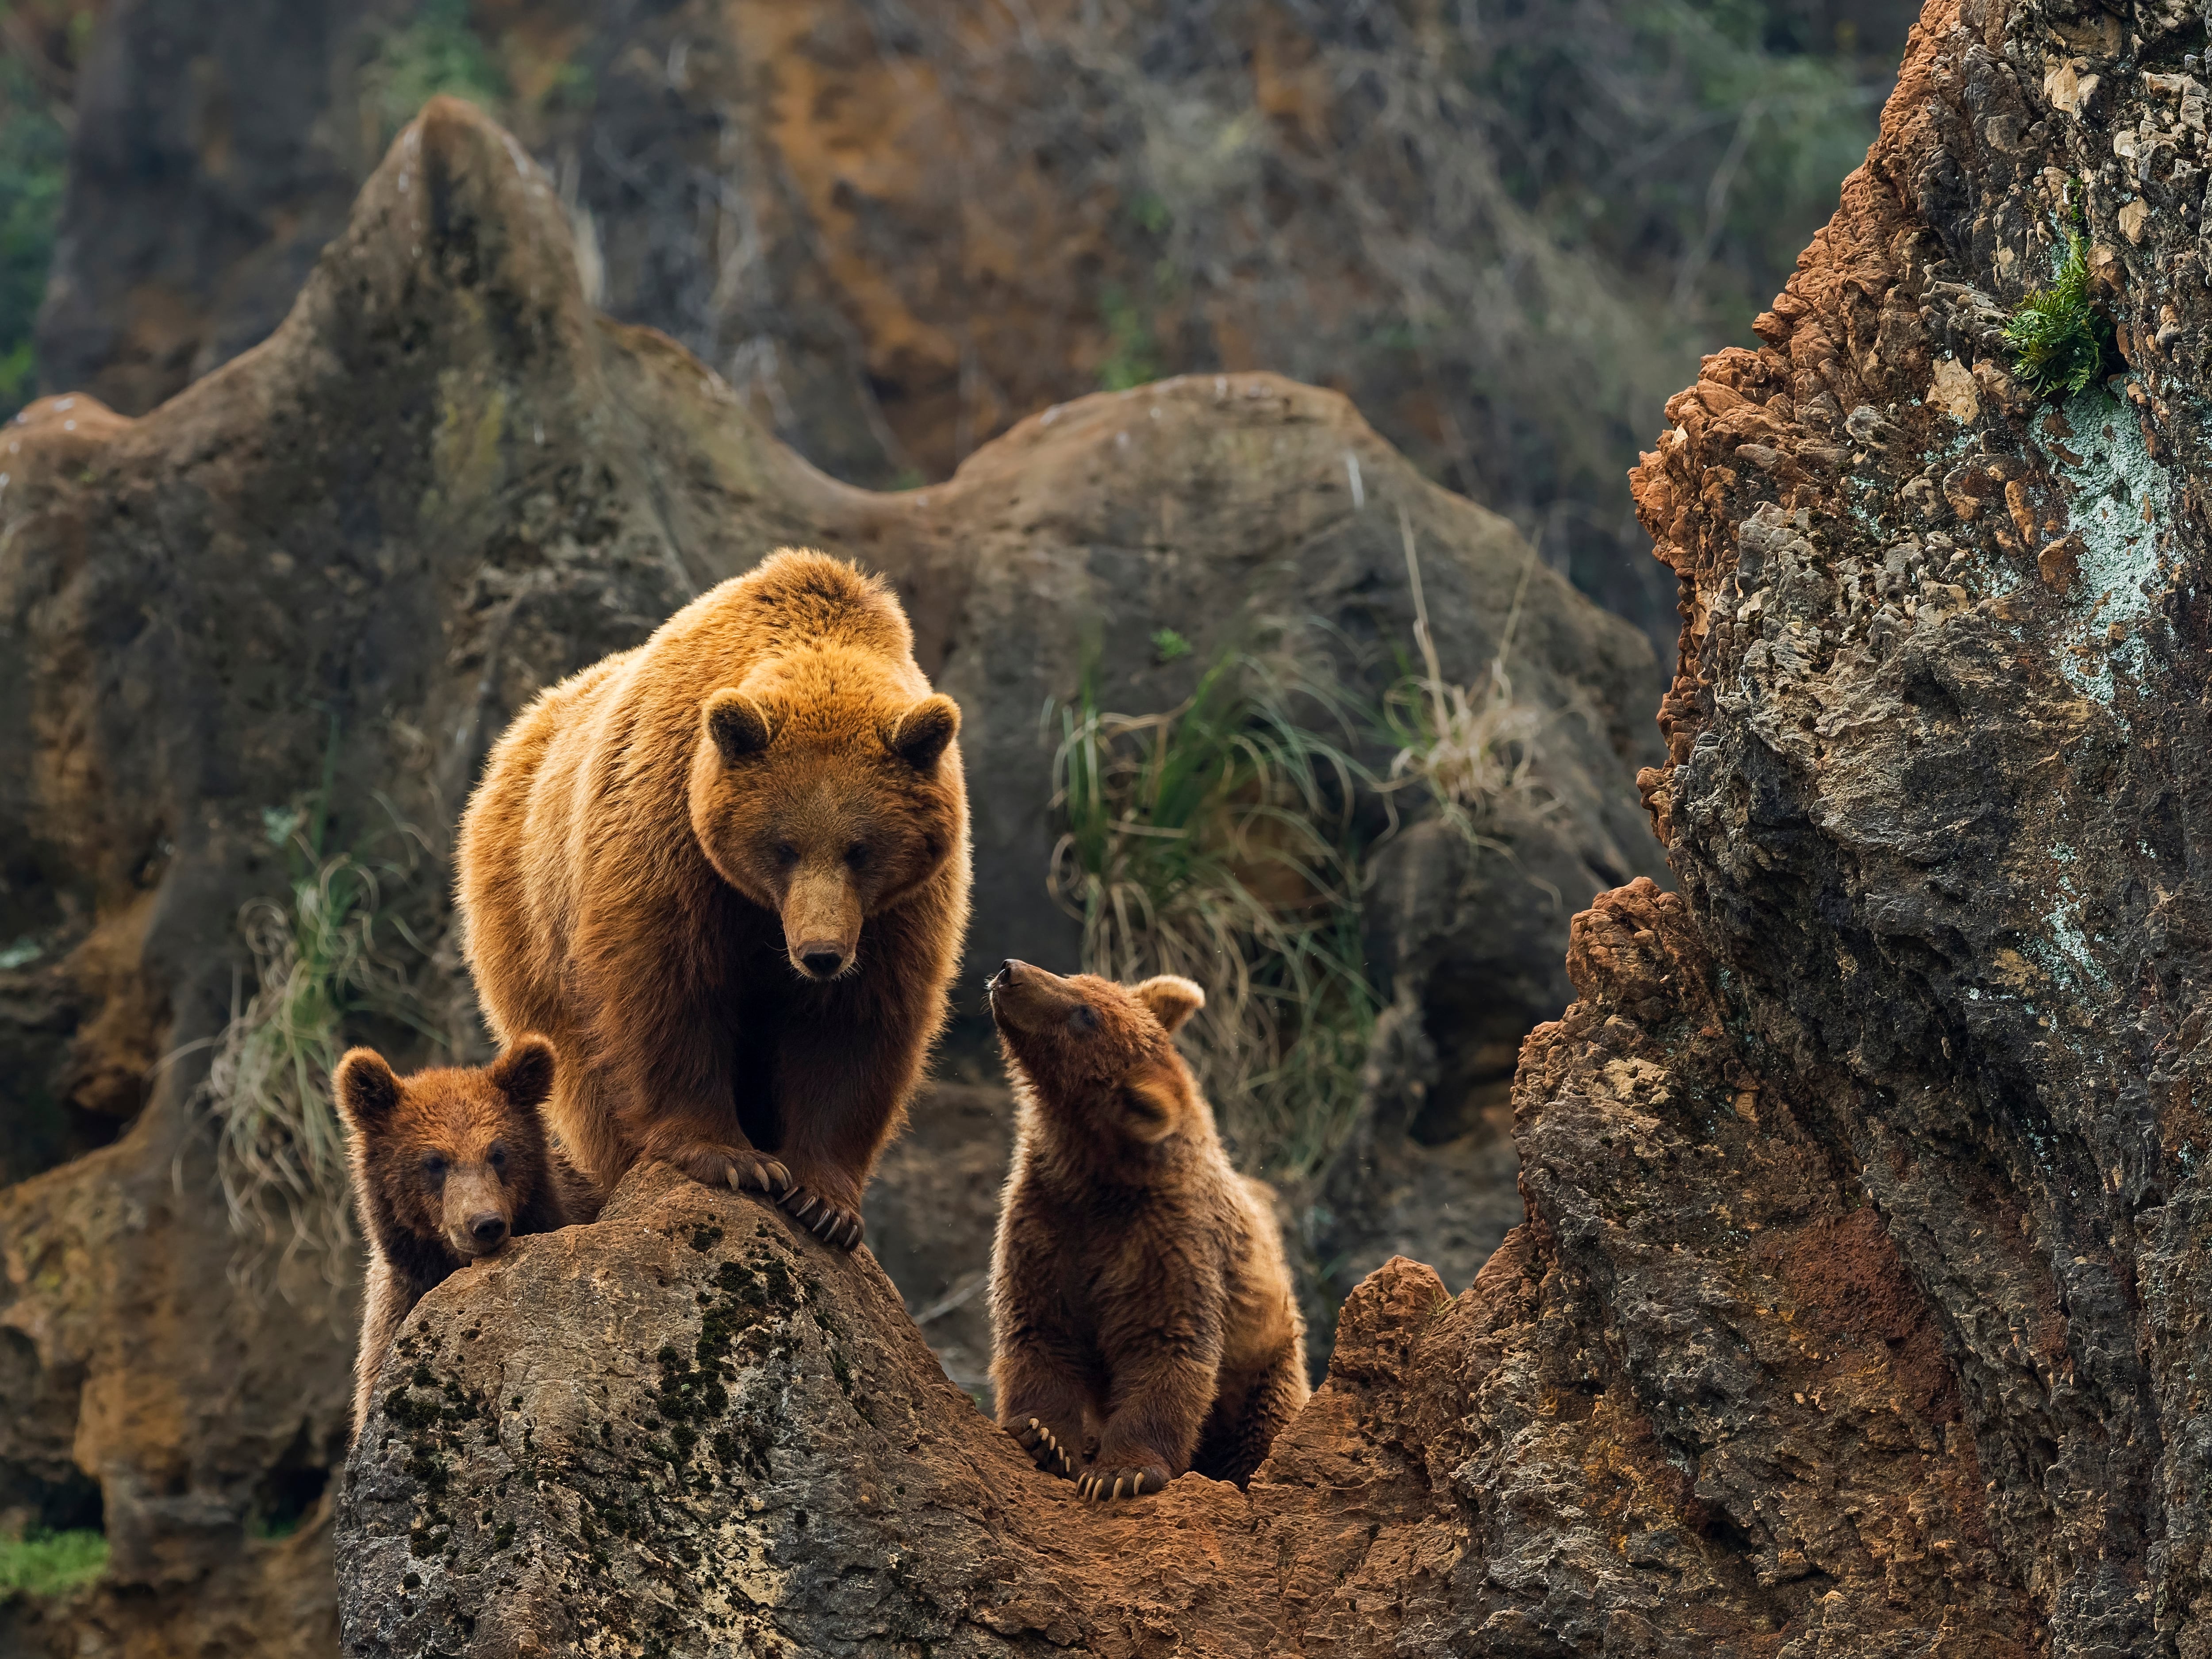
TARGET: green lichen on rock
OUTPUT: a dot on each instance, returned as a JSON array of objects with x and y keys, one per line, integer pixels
[{"x": 2059, "y": 337}]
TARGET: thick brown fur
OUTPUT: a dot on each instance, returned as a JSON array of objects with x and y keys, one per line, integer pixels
[
  {"x": 448, "y": 1164},
  {"x": 1142, "y": 1318},
  {"x": 727, "y": 872}
]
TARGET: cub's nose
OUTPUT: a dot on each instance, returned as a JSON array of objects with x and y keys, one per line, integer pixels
[
  {"x": 1005, "y": 973},
  {"x": 487, "y": 1229},
  {"x": 823, "y": 961}
]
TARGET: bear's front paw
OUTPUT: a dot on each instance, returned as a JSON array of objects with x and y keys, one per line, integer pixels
[
  {"x": 1104, "y": 1485},
  {"x": 832, "y": 1223},
  {"x": 1046, "y": 1450},
  {"x": 736, "y": 1167}
]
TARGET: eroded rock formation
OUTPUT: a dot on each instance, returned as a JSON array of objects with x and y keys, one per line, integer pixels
[
  {"x": 443, "y": 483},
  {"x": 1858, "y": 1308}
]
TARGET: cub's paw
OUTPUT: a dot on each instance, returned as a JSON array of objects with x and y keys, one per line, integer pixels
[
  {"x": 1104, "y": 1485},
  {"x": 832, "y": 1223},
  {"x": 1045, "y": 1449},
  {"x": 712, "y": 1165}
]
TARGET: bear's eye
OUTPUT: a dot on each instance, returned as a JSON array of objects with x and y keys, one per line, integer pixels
[
  {"x": 786, "y": 854},
  {"x": 1084, "y": 1019},
  {"x": 434, "y": 1166},
  {"x": 857, "y": 854},
  {"x": 496, "y": 1156}
]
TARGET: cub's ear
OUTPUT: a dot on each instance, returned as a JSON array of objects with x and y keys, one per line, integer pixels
[
  {"x": 737, "y": 724},
  {"x": 1151, "y": 1107},
  {"x": 367, "y": 1090},
  {"x": 525, "y": 1073},
  {"x": 1170, "y": 998},
  {"x": 924, "y": 730}
]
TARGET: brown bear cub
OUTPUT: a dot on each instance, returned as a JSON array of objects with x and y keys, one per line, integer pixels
[
  {"x": 1141, "y": 1314},
  {"x": 447, "y": 1165},
  {"x": 726, "y": 871}
]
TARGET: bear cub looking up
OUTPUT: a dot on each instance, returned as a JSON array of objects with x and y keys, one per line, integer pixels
[
  {"x": 447, "y": 1165},
  {"x": 1141, "y": 1315}
]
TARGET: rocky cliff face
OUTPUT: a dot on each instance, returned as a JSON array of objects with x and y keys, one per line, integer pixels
[
  {"x": 1857, "y": 1308},
  {"x": 352, "y": 553}
]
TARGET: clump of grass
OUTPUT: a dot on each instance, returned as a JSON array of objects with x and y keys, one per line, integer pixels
[
  {"x": 1216, "y": 841},
  {"x": 1475, "y": 749},
  {"x": 2059, "y": 337},
  {"x": 329, "y": 951},
  {"x": 42, "y": 1562},
  {"x": 435, "y": 52}
]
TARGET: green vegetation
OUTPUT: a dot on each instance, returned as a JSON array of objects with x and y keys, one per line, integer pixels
[
  {"x": 42, "y": 1562},
  {"x": 2060, "y": 339},
  {"x": 435, "y": 51},
  {"x": 34, "y": 165},
  {"x": 1215, "y": 841},
  {"x": 1221, "y": 840},
  {"x": 1133, "y": 359},
  {"x": 1168, "y": 646},
  {"x": 331, "y": 952}
]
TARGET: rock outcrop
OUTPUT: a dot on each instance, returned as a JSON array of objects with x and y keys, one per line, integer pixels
[
  {"x": 352, "y": 553},
  {"x": 1858, "y": 1307}
]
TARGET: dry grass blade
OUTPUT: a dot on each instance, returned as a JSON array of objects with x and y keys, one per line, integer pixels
[{"x": 1476, "y": 751}]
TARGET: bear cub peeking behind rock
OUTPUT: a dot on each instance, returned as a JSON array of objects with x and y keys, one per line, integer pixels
[
  {"x": 727, "y": 872},
  {"x": 448, "y": 1164},
  {"x": 1141, "y": 1314}
]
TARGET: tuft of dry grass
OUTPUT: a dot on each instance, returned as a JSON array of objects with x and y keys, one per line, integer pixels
[
  {"x": 1476, "y": 750},
  {"x": 1215, "y": 841},
  {"x": 331, "y": 951}
]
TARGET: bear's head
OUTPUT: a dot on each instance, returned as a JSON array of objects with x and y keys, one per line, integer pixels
[
  {"x": 824, "y": 792},
  {"x": 449, "y": 1156},
  {"x": 1098, "y": 1058}
]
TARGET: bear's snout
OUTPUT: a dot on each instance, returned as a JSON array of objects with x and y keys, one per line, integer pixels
[
  {"x": 476, "y": 1211},
  {"x": 824, "y": 959}
]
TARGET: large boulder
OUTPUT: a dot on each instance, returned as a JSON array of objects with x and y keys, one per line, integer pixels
[{"x": 353, "y": 552}]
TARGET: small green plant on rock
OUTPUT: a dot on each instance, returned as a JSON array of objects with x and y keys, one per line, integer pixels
[
  {"x": 1215, "y": 841},
  {"x": 2059, "y": 337},
  {"x": 42, "y": 1562}
]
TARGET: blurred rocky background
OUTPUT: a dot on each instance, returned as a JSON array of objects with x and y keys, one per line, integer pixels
[{"x": 1507, "y": 232}]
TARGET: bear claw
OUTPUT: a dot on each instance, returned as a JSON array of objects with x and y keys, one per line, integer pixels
[
  {"x": 1104, "y": 1486},
  {"x": 833, "y": 1225},
  {"x": 1044, "y": 1449}
]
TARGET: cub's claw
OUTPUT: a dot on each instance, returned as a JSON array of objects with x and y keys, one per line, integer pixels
[
  {"x": 1104, "y": 1486},
  {"x": 833, "y": 1223},
  {"x": 1044, "y": 1449}
]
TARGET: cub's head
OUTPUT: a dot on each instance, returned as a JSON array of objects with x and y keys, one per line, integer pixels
[
  {"x": 447, "y": 1155},
  {"x": 1100, "y": 1055},
  {"x": 819, "y": 797}
]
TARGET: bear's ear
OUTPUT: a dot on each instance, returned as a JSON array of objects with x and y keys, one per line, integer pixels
[
  {"x": 924, "y": 730},
  {"x": 1171, "y": 998},
  {"x": 367, "y": 1090},
  {"x": 1151, "y": 1107},
  {"x": 525, "y": 1073},
  {"x": 737, "y": 725}
]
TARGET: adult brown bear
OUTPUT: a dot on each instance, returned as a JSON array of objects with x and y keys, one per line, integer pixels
[{"x": 727, "y": 873}]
